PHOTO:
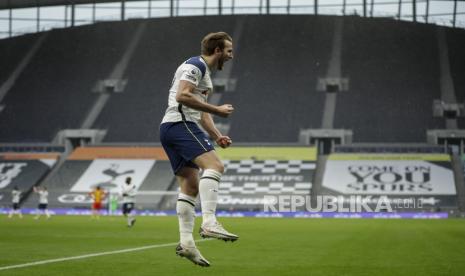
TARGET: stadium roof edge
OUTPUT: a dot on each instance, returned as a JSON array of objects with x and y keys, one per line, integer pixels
[{"x": 16, "y": 4}]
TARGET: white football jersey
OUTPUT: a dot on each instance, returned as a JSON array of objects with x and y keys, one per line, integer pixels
[
  {"x": 129, "y": 193},
  {"x": 195, "y": 71},
  {"x": 16, "y": 195},
  {"x": 43, "y": 197}
]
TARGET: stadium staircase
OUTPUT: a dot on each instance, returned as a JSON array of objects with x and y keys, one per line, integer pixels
[
  {"x": 457, "y": 165},
  {"x": 13, "y": 75}
]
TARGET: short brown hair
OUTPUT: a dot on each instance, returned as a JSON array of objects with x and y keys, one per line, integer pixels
[{"x": 213, "y": 40}]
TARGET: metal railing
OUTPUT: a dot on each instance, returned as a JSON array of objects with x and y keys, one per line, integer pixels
[{"x": 21, "y": 21}]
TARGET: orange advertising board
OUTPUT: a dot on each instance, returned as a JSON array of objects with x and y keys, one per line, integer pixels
[{"x": 90, "y": 153}]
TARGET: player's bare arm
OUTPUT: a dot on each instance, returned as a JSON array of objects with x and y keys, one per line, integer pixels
[
  {"x": 185, "y": 96},
  {"x": 207, "y": 123}
]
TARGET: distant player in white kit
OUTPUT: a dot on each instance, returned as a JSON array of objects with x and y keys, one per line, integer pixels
[
  {"x": 128, "y": 192},
  {"x": 43, "y": 202},
  {"x": 189, "y": 148},
  {"x": 15, "y": 199}
]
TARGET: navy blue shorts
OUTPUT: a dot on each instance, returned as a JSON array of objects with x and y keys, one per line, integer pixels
[
  {"x": 127, "y": 208},
  {"x": 183, "y": 142}
]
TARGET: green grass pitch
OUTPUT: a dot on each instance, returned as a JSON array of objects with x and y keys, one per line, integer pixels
[{"x": 266, "y": 247}]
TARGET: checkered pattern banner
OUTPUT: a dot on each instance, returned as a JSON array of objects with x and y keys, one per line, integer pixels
[
  {"x": 271, "y": 188},
  {"x": 262, "y": 177},
  {"x": 269, "y": 166}
]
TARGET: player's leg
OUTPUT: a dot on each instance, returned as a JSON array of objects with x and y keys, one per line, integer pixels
[
  {"x": 127, "y": 211},
  {"x": 39, "y": 212},
  {"x": 97, "y": 207},
  {"x": 181, "y": 146},
  {"x": 128, "y": 215},
  {"x": 131, "y": 219},
  {"x": 208, "y": 185},
  {"x": 188, "y": 178},
  {"x": 92, "y": 211},
  {"x": 132, "y": 214},
  {"x": 13, "y": 210},
  {"x": 17, "y": 210},
  {"x": 213, "y": 169},
  {"x": 46, "y": 212}
]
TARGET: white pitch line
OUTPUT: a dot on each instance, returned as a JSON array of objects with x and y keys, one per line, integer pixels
[{"x": 92, "y": 255}]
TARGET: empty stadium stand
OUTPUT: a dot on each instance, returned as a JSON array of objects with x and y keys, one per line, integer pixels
[
  {"x": 455, "y": 42},
  {"x": 276, "y": 78},
  {"x": 13, "y": 51},
  {"x": 392, "y": 68},
  {"x": 54, "y": 91},
  {"x": 135, "y": 114}
]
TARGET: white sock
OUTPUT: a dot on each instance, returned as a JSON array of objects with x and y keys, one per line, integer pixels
[
  {"x": 185, "y": 208},
  {"x": 208, "y": 189},
  {"x": 130, "y": 218}
]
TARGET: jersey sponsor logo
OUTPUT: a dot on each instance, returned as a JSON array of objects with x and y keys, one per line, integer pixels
[{"x": 8, "y": 171}]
